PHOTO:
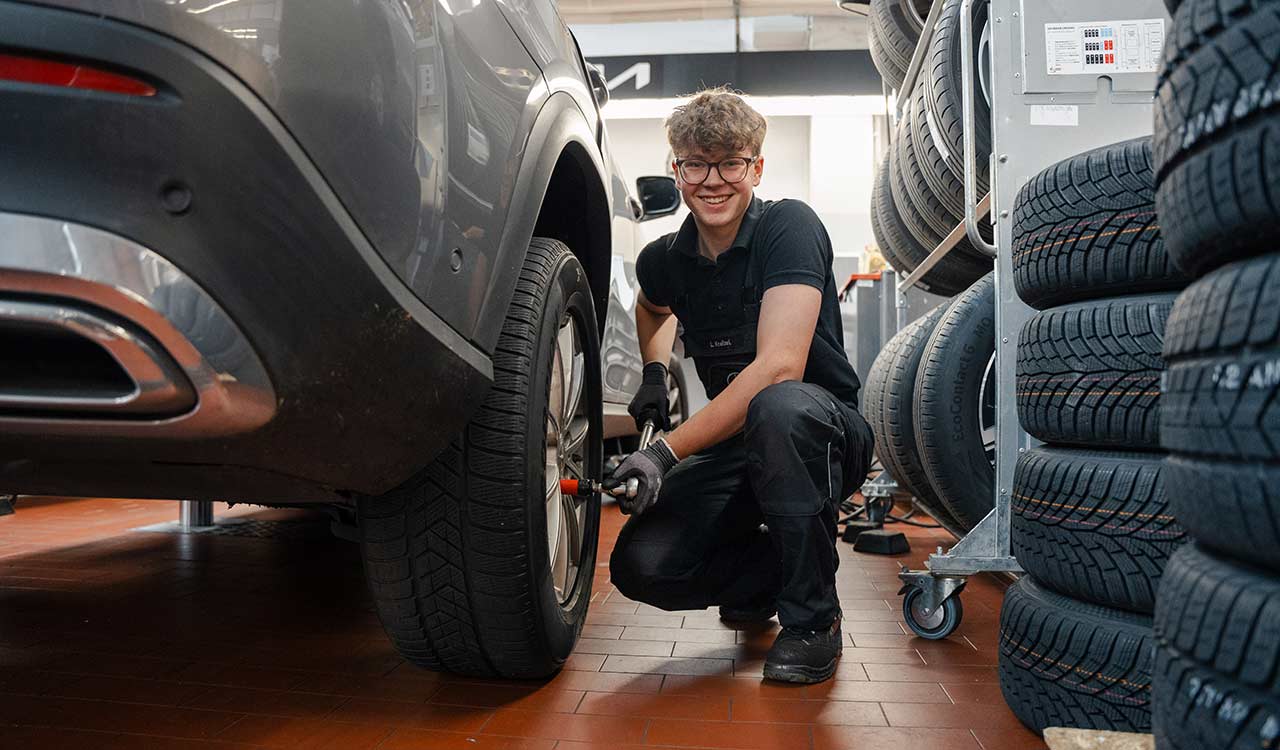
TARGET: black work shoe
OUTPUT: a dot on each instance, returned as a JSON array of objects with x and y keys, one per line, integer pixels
[
  {"x": 806, "y": 656},
  {"x": 748, "y": 614}
]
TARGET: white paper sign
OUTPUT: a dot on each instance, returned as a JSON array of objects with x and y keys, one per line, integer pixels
[
  {"x": 1055, "y": 115},
  {"x": 1101, "y": 47}
]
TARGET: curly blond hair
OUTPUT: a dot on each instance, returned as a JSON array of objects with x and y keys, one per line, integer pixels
[{"x": 716, "y": 120}]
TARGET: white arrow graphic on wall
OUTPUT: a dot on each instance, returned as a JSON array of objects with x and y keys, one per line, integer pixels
[{"x": 640, "y": 72}]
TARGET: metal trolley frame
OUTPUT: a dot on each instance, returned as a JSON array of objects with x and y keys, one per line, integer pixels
[{"x": 1039, "y": 117}]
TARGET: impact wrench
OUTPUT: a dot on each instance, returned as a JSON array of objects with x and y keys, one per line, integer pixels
[{"x": 588, "y": 487}]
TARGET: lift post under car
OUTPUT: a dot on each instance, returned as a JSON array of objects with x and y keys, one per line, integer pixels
[{"x": 1046, "y": 105}]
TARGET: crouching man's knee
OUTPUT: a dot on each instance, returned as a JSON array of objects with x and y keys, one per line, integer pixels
[
  {"x": 634, "y": 572},
  {"x": 793, "y": 448}
]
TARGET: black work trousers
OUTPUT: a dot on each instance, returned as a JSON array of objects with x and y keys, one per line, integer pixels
[{"x": 799, "y": 454}]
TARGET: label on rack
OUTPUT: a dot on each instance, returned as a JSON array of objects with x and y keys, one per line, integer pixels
[
  {"x": 1102, "y": 47},
  {"x": 1055, "y": 115}
]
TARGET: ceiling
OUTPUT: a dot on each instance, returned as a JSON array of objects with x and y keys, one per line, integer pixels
[{"x": 623, "y": 11}]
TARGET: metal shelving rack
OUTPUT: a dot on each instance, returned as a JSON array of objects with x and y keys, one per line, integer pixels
[{"x": 1072, "y": 112}]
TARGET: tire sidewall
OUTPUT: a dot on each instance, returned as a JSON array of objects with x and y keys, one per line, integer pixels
[
  {"x": 569, "y": 293},
  {"x": 955, "y": 364}
]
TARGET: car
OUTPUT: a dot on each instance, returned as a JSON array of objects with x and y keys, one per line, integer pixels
[{"x": 347, "y": 254}]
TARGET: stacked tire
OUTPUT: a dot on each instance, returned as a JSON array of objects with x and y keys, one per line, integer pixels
[
  {"x": 1091, "y": 523},
  {"x": 1217, "y": 153},
  {"x": 918, "y": 197}
]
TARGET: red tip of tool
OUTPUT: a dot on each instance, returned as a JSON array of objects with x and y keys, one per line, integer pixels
[{"x": 568, "y": 486}]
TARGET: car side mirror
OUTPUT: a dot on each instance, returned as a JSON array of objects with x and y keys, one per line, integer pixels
[
  {"x": 599, "y": 87},
  {"x": 658, "y": 195}
]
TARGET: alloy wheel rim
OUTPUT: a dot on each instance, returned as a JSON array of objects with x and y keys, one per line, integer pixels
[
  {"x": 987, "y": 410},
  {"x": 568, "y": 426}
]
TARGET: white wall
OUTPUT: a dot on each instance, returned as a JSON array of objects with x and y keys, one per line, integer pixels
[
  {"x": 841, "y": 173},
  {"x": 816, "y": 150}
]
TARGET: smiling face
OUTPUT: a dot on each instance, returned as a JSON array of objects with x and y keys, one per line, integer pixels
[{"x": 715, "y": 203}]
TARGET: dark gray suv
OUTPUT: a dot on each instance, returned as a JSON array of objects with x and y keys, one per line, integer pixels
[{"x": 348, "y": 252}]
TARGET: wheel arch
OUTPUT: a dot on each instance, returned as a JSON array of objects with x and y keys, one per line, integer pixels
[{"x": 563, "y": 168}]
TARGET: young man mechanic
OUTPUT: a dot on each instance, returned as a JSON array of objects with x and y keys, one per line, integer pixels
[{"x": 781, "y": 441}]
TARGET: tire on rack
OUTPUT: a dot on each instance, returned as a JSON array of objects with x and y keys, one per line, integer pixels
[
  {"x": 1094, "y": 525},
  {"x": 1220, "y": 411},
  {"x": 1089, "y": 373},
  {"x": 932, "y": 161},
  {"x": 889, "y": 70},
  {"x": 963, "y": 265},
  {"x": 1217, "y": 654},
  {"x": 896, "y": 33},
  {"x": 953, "y": 274},
  {"x": 890, "y": 410},
  {"x": 1086, "y": 228},
  {"x": 1217, "y": 132},
  {"x": 1067, "y": 663},
  {"x": 955, "y": 405},
  {"x": 479, "y": 565},
  {"x": 944, "y": 114},
  {"x": 932, "y": 185},
  {"x": 936, "y": 220}
]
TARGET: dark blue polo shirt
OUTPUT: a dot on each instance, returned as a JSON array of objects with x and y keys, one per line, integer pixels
[{"x": 718, "y": 302}]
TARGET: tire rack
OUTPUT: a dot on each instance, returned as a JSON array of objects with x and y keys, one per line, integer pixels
[{"x": 1105, "y": 109}]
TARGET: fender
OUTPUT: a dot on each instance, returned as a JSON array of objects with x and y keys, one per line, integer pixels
[{"x": 560, "y": 129}]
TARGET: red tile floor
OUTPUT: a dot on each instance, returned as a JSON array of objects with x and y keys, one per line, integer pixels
[{"x": 114, "y": 638}]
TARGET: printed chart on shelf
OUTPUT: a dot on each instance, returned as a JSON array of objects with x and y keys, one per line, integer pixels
[{"x": 1101, "y": 47}]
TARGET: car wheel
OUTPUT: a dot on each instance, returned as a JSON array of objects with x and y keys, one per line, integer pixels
[{"x": 479, "y": 565}]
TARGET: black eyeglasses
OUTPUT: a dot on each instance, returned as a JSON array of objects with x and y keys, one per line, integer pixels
[{"x": 732, "y": 170}]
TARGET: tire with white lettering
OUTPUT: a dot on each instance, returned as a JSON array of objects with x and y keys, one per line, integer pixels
[
  {"x": 1217, "y": 132},
  {"x": 1217, "y": 655},
  {"x": 1086, "y": 227},
  {"x": 955, "y": 405},
  {"x": 1068, "y": 663},
  {"x": 1220, "y": 410},
  {"x": 1089, "y": 373}
]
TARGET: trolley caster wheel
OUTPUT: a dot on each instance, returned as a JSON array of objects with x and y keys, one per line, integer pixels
[{"x": 935, "y": 625}]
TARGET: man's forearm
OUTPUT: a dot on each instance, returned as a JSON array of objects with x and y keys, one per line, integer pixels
[
  {"x": 725, "y": 416},
  {"x": 656, "y": 334}
]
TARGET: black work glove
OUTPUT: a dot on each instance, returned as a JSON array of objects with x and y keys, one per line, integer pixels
[
  {"x": 648, "y": 466},
  {"x": 651, "y": 402}
]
